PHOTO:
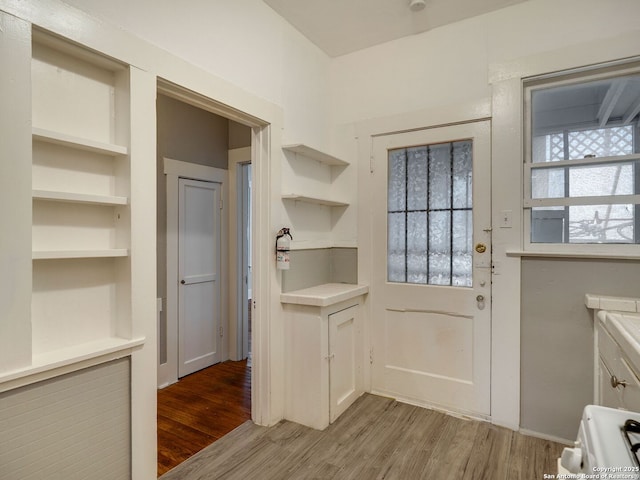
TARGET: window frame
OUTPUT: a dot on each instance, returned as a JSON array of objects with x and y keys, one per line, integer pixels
[{"x": 572, "y": 77}]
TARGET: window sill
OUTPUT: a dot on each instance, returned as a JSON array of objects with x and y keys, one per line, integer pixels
[{"x": 556, "y": 254}]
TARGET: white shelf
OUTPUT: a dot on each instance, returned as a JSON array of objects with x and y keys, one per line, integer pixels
[
  {"x": 65, "y": 360},
  {"x": 66, "y": 140},
  {"x": 62, "y": 254},
  {"x": 567, "y": 254},
  {"x": 71, "y": 197},
  {"x": 315, "y": 154},
  {"x": 314, "y": 200}
]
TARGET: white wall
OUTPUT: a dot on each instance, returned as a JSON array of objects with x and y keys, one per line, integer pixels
[
  {"x": 452, "y": 64},
  {"x": 238, "y": 53},
  {"x": 242, "y": 41},
  {"x": 451, "y": 74}
]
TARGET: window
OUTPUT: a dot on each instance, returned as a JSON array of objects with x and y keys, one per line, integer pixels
[
  {"x": 429, "y": 214},
  {"x": 582, "y": 160}
]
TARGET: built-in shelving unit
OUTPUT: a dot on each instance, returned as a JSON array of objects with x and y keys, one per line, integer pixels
[
  {"x": 81, "y": 294},
  {"x": 304, "y": 153},
  {"x": 313, "y": 199},
  {"x": 310, "y": 195}
]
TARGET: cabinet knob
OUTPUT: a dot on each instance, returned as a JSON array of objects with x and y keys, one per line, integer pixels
[
  {"x": 615, "y": 382},
  {"x": 182, "y": 282}
]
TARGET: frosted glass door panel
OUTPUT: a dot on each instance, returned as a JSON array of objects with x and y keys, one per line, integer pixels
[{"x": 429, "y": 209}]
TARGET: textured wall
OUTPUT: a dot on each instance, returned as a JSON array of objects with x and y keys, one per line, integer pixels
[
  {"x": 557, "y": 337},
  {"x": 73, "y": 427},
  {"x": 322, "y": 265}
]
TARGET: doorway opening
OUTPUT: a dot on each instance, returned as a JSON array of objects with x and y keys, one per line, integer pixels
[{"x": 200, "y": 143}]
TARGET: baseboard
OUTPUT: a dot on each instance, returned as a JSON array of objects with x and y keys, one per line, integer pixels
[{"x": 544, "y": 436}]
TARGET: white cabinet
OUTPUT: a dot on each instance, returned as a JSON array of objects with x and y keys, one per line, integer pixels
[
  {"x": 617, "y": 382},
  {"x": 323, "y": 352}
]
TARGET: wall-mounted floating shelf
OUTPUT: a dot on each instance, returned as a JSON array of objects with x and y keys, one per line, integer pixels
[
  {"x": 314, "y": 154},
  {"x": 314, "y": 200}
]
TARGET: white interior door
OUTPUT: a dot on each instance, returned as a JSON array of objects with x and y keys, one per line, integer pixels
[
  {"x": 199, "y": 244},
  {"x": 431, "y": 286}
]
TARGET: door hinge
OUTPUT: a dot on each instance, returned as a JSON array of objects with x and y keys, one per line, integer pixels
[
  {"x": 371, "y": 356},
  {"x": 221, "y": 203},
  {"x": 221, "y": 331}
]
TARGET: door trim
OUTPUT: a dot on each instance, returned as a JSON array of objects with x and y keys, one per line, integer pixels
[
  {"x": 237, "y": 157},
  {"x": 174, "y": 170}
]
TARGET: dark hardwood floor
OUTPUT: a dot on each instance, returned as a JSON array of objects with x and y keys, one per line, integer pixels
[{"x": 200, "y": 409}]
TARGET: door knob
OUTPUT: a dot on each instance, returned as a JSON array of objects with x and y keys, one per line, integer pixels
[
  {"x": 615, "y": 382},
  {"x": 182, "y": 281},
  {"x": 481, "y": 248}
]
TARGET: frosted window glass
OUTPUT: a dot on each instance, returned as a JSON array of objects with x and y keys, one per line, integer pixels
[
  {"x": 396, "y": 247},
  {"x": 462, "y": 263},
  {"x": 397, "y": 180},
  {"x": 440, "y": 248},
  {"x": 429, "y": 187},
  {"x": 417, "y": 247},
  {"x": 547, "y": 183},
  {"x": 601, "y": 180},
  {"x": 462, "y": 185},
  {"x": 440, "y": 176},
  {"x": 417, "y": 178}
]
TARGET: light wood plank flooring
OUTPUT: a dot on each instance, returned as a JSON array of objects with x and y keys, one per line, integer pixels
[{"x": 376, "y": 438}]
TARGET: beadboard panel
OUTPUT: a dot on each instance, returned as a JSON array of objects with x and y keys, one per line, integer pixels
[{"x": 76, "y": 426}]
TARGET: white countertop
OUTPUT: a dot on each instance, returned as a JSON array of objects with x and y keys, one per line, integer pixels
[
  {"x": 324, "y": 295},
  {"x": 625, "y": 329}
]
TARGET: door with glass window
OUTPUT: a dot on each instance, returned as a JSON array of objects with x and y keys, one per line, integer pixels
[{"x": 431, "y": 285}]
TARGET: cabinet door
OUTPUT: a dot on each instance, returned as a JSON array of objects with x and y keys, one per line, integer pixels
[
  {"x": 608, "y": 395},
  {"x": 345, "y": 364}
]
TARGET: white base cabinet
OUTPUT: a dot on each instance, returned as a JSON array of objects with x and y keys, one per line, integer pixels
[
  {"x": 617, "y": 371},
  {"x": 324, "y": 360}
]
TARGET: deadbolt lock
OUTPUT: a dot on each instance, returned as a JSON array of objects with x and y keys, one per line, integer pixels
[{"x": 481, "y": 248}]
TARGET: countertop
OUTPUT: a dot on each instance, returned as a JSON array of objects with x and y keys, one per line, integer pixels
[
  {"x": 625, "y": 329},
  {"x": 324, "y": 295}
]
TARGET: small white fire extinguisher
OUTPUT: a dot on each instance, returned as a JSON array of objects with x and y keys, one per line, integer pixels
[{"x": 283, "y": 246}]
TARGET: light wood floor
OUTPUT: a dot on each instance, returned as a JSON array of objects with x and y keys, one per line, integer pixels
[{"x": 376, "y": 438}]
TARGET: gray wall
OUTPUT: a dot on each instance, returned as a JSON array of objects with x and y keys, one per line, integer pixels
[
  {"x": 557, "y": 337},
  {"x": 239, "y": 135},
  {"x": 317, "y": 266},
  {"x": 73, "y": 427}
]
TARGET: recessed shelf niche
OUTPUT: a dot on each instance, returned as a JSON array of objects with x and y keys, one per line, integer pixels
[{"x": 81, "y": 294}]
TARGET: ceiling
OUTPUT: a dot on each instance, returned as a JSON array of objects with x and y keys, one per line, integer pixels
[{"x": 339, "y": 27}]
